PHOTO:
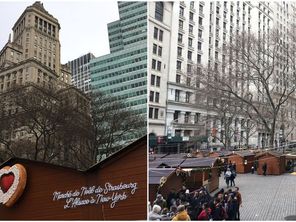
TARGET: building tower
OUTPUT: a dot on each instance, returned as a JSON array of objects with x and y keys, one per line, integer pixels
[
  {"x": 123, "y": 72},
  {"x": 33, "y": 53},
  {"x": 81, "y": 72}
]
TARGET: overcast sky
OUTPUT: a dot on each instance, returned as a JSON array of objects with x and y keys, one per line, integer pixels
[{"x": 83, "y": 24}]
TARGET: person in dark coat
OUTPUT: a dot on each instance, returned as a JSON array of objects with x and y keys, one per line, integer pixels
[
  {"x": 232, "y": 177},
  {"x": 231, "y": 208},
  {"x": 264, "y": 168}
]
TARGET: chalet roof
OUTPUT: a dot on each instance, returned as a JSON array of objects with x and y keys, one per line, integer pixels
[
  {"x": 198, "y": 162},
  {"x": 169, "y": 162},
  {"x": 244, "y": 153},
  {"x": 273, "y": 153},
  {"x": 155, "y": 174}
]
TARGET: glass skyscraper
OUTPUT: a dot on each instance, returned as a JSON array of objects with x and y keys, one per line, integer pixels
[{"x": 123, "y": 72}]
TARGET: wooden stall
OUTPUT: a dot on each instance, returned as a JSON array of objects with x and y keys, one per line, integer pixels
[
  {"x": 114, "y": 189},
  {"x": 275, "y": 162},
  {"x": 244, "y": 160},
  {"x": 201, "y": 172},
  {"x": 173, "y": 181}
]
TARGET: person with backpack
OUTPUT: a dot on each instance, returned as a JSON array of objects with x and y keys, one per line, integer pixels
[
  {"x": 232, "y": 177},
  {"x": 205, "y": 214},
  {"x": 227, "y": 177}
]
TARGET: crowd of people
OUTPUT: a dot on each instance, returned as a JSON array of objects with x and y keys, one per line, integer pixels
[{"x": 197, "y": 205}]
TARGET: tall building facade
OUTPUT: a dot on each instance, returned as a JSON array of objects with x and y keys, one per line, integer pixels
[
  {"x": 81, "y": 72},
  {"x": 197, "y": 31},
  {"x": 123, "y": 72},
  {"x": 33, "y": 52}
]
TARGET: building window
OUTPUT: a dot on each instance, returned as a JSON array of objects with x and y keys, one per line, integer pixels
[
  {"x": 196, "y": 117},
  {"x": 189, "y": 55},
  {"x": 180, "y": 38},
  {"x": 159, "y": 51},
  {"x": 157, "y": 97},
  {"x": 152, "y": 80},
  {"x": 151, "y": 97},
  {"x": 153, "y": 64},
  {"x": 190, "y": 42},
  {"x": 158, "y": 66},
  {"x": 198, "y": 58},
  {"x": 187, "y": 98},
  {"x": 177, "y": 95},
  {"x": 155, "y": 34},
  {"x": 176, "y": 115},
  {"x": 179, "y": 64},
  {"x": 180, "y": 24},
  {"x": 199, "y": 33},
  {"x": 191, "y": 16},
  {"x": 186, "y": 117},
  {"x": 179, "y": 51},
  {"x": 189, "y": 68},
  {"x": 150, "y": 113},
  {"x": 157, "y": 81},
  {"x": 190, "y": 29},
  {"x": 200, "y": 20},
  {"x": 188, "y": 81},
  {"x": 200, "y": 9},
  {"x": 155, "y": 113},
  {"x": 154, "y": 48},
  {"x": 160, "y": 35},
  {"x": 159, "y": 11},
  {"x": 199, "y": 45},
  {"x": 178, "y": 78},
  {"x": 181, "y": 13}
]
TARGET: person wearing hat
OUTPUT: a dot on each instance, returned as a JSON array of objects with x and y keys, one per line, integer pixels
[
  {"x": 160, "y": 201},
  {"x": 182, "y": 214}
]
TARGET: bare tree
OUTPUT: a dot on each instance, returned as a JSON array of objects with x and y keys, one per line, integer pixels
[
  {"x": 114, "y": 124},
  {"x": 258, "y": 72}
]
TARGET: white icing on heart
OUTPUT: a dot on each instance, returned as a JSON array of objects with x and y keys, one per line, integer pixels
[{"x": 4, "y": 197}]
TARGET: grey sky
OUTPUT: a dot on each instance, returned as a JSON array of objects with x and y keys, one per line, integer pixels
[{"x": 83, "y": 24}]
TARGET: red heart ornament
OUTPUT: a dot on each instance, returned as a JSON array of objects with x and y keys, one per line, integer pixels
[
  {"x": 6, "y": 182},
  {"x": 12, "y": 184}
]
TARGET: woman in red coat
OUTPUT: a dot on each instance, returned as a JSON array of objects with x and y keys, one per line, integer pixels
[{"x": 205, "y": 214}]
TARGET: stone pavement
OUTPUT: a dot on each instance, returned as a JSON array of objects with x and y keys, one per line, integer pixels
[{"x": 266, "y": 198}]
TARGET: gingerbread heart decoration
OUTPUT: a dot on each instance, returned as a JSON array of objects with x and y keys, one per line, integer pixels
[{"x": 12, "y": 184}]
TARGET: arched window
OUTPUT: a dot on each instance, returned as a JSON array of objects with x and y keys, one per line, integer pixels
[{"x": 159, "y": 11}]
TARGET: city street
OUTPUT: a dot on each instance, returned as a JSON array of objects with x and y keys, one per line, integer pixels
[{"x": 266, "y": 198}]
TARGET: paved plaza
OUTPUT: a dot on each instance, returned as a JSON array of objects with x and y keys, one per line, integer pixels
[{"x": 266, "y": 198}]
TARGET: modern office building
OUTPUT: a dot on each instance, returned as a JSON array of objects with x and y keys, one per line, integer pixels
[
  {"x": 123, "y": 72},
  {"x": 197, "y": 31},
  {"x": 80, "y": 72}
]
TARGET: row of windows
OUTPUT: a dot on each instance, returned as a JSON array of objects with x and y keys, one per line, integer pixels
[
  {"x": 121, "y": 56},
  {"x": 122, "y": 88},
  {"x": 137, "y": 39},
  {"x": 154, "y": 96},
  {"x": 45, "y": 26},
  {"x": 121, "y": 72},
  {"x": 131, "y": 94},
  {"x": 156, "y": 65},
  {"x": 158, "y": 34},
  {"x": 119, "y": 65},
  {"x": 122, "y": 80},
  {"x": 155, "y": 80},
  {"x": 157, "y": 50}
]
